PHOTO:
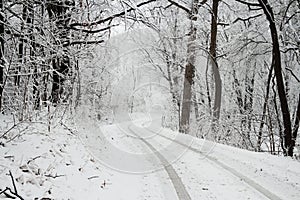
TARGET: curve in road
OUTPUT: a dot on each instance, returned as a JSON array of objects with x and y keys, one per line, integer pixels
[
  {"x": 247, "y": 180},
  {"x": 175, "y": 179}
]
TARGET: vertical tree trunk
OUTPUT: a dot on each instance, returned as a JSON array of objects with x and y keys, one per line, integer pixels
[
  {"x": 175, "y": 68},
  {"x": 248, "y": 105},
  {"x": 271, "y": 133},
  {"x": 21, "y": 44},
  {"x": 262, "y": 122},
  {"x": 238, "y": 92},
  {"x": 215, "y": 68},
  {"x": 189, "y": 72},
  {"x": 56, "y": 81},
  {"x": 30, "y": 23},
  {"x": 207, "y": 86},
  {"x": 288, "y": 144},
  {"x": 173, "y": 84},
  {"x": 196, "y": 107},
  {"x": 297, "y": 121},
  {"x": 61, "y": 64},
  {"x": 43, "y": 79},
  {"x": 1, "y": 53},
  {"x": 280, "y": 129},
  {"x": 188, "y": 82}
]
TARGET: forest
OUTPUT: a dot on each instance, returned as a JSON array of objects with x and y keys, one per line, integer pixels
[
  {"x": 231, "y": 67},
  {"x": 150, "y": 99}
]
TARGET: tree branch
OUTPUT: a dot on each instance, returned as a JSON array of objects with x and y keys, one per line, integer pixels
[
  {"x": 82, "y": 42},
  {"x": 191, "y": 12},
  {"x": 13, "y": 182},
  {"x": 93, "y": 31},
  {"x": 180, "y": 6},
  {"x": 14, "y": 193},
  {"x": 249, "y": 3},
  {"x": 107, "y": 19},
  {"x": 246, "y": 19},
  {"x": 285, "y": 13},
  {"x": 293, "y": 74}
]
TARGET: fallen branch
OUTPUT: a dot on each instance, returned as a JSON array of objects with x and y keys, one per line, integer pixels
[
  {"x": 12, "y": 127},
  {"x": 54, "y": 176},
  {"x": 92, "y": 177},
  {"x": 7, "y": 131},
  {"x": 68, "y": 128},
  {"x": 6, "y": 194},
  {"x": 29, "y": 161},
  {"x": 13, "y": 182},
  {"x": 14, "y": 193}
]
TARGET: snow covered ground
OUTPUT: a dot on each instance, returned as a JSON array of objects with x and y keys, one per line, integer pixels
[{"x": 137, "y": 159}]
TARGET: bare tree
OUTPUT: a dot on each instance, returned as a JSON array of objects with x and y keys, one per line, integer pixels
[
  {"x": 2, "y": 62},
  {"x": 189, "y": 71}
]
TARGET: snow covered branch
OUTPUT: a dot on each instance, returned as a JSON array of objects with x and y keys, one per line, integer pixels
[{"x": 110, "y": 18}]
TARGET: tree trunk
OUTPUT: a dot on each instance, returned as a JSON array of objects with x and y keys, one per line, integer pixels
[
  {"x": 61, "y": 64},
  {"x": 238, "y": 92},
  {"x": 207, "y": 85},
  {"x": 196, "y": 107},
  {"x": 248, "y": 105},
  {"x": 264, "y": 110},
  {"x": 21, "y": 44},
  {"x": 271, "y": 133},
  {"x": 35, "y": 76},
  {"x": 297, "y": 121},
  {"x": 215, "y": 68},
  {"x": 277, "y": 115},
  {"x": 173, "y": 84},
  {"x": 188, "y": 82},
  {"x": 1, "y": 53},
  {"x": 288, "y": 144}
]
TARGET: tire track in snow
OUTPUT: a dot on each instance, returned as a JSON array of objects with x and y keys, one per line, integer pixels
[
  {"x": 247, "y": 180},
  {"x": 175, "y": 179}
]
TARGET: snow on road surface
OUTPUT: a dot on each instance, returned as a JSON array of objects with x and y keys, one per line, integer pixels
[
  {"x": 206, "y": 170},
  {"x": 138, "y": 159}
]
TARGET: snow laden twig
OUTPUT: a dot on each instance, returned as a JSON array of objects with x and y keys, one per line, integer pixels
[
  {"x": 54, "y": 176},
  {"x": 11, "y": 128},
  {"x": 16, "y": 125},
  {"x": 14, "y": 193},
  {"x": 73, "y": 132}
]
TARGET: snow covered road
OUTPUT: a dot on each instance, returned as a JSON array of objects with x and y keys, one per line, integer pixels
[
  {"x": 223, "y": 181},
  {"x": 170, "y": 165}
]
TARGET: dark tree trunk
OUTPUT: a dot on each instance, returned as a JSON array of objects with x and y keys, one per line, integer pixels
[
  {"x": 297, "y": 121},
  {"x": 288, "y": 142},
  {"x": 215, "y": 68},
  {"x": 57, "y": 11},
  {"x": 248, "y": 105},
  {"x": 262, "y": 122},
  {"x": 238, "y": 92},
  {"x": 207, "y": 86},
  {"x": 271, "y": 133},
  {"x": 1, "y": 52},
  {"x": 58, "y": 80},
  {"x": 280, "y": 129},
  {"x": 196, "y": 107},
  {"x": 30, "y": 23},
  {"x": 21, "y": 44}
]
